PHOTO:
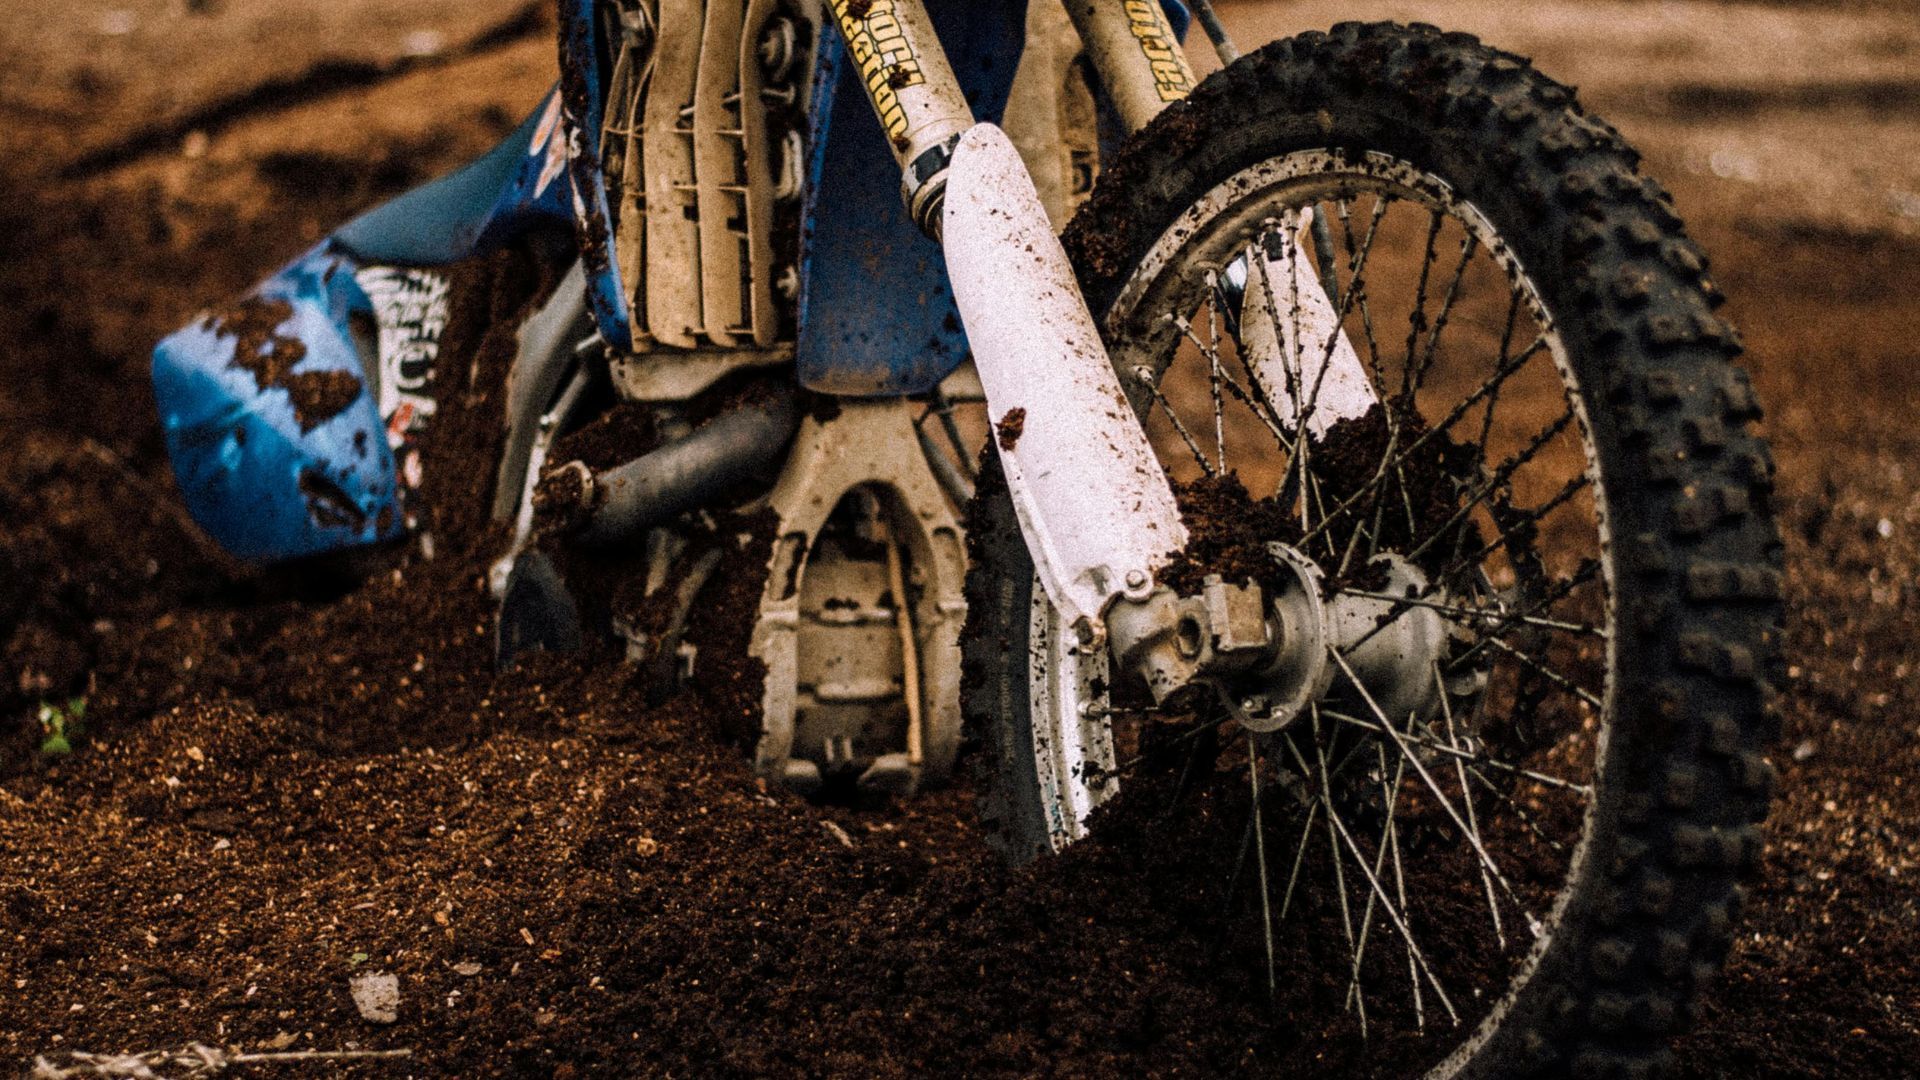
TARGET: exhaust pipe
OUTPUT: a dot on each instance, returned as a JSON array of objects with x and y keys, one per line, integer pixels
[{"x": 619, "y": 504}]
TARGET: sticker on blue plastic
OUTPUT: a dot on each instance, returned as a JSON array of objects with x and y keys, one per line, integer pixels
[
  {"x": 549, "y": 142},
  {"x": 410, "y": 311}
]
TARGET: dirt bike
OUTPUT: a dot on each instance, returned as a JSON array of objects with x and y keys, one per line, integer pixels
[{"x": 1368, "y": 489}]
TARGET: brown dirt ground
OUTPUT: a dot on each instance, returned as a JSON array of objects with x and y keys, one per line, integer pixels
[{"x": 290, "y": 780}]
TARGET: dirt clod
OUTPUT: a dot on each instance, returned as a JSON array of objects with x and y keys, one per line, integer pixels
[{"x": 1010, "y": 427}]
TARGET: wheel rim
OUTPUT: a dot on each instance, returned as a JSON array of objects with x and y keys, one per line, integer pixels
[{"x": 1348, "y": 792}]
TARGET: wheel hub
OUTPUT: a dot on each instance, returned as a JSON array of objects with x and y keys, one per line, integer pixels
[
  {"x": 1270, "y": 655},
  {"x": 1392, "y": 647}
]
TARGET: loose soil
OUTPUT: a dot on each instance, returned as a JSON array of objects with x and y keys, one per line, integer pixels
[{"x": 290, "y": 778}]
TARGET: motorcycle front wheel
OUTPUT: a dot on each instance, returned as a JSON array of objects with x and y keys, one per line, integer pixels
[{"x": 1524, "y": 859}]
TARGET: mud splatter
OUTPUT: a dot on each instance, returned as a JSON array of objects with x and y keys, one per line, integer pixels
[
  {"x": 270, "y": 356},
  {"x": 328, "y": 504},
  {"x": 319, "y": 396},
  {"x": 1227, "y": 534},
  {"x": 1011, "y": 427},
  {"x": 258, "y": 346}
]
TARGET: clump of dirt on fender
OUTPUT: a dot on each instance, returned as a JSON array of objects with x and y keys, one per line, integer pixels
[{"x": 1011, "y": 427}]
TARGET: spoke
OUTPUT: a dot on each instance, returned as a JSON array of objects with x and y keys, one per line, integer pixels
[
  {"x": 1420, "y": 770},
  {"x": 1260, "y": 848},
  {"x": 1514, "y": 525},
  {"x": 1356, "y": 285},
  {"x": 1446, "y": 310},
  {"x": 1573, "y": 485},
  {"x": 1400, "y": 883},
  {"x": 1186, "y": 775},
  {"x": 1526, "y": 819},
  {"x": 1500, "y": 476},
  {"x": 1296, "y": 382},
  {"x": 1390, "y": 795},
  {"x": 1470, "y": 758},
  {"x": 1145, "y": 377},
  {"x": 1341, "y": 310},
  {"x": 1372, "y": 533},
  {"x": 1406, "y": 503},
  {"x": 1333, "y": 842},
  {"x": 1447, "y": 573},
  {"x": 1476, "y": 613},
  {"x": 1506, "y": 342},
  {"x": 1565, "y": 682},
  {"x": 1417, "y": 318},
  {"x": 1492, "y": 384},
  {"x": 1393, "y": 914},
  {"x": 1466, "y": 799},
  {"x": 1587, "y": 571},
  {"x": 1300, "y": 852},
  {"x": 1176, "y": 742},
  {"x": 1256, "y": 405},
  {"x": 1214, "y": 376},
  {"x": 1513, "y": 529},
  {"x": 1232, "y": 894},
  {"x": 1257, "y": 408}
]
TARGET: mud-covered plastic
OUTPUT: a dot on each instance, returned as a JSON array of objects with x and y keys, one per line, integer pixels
[
  {"x": 292, "y": 414},
  {"x": 277, "y": 444}
]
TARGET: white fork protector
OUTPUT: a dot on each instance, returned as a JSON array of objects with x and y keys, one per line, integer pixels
[
  {"x": 1291, "y": 337},
  {"x": 1093, "y": 502}
]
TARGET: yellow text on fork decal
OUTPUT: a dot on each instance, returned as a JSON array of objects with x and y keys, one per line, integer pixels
[
  {"x": 1171, "y": 76},
  {"x": 886, "y": 58}
]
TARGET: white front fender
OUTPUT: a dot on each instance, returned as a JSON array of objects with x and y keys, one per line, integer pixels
[{"x": 1092, "y": 499}]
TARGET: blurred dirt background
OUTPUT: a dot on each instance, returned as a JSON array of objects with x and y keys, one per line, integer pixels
[{"x": 288, "y": 783}]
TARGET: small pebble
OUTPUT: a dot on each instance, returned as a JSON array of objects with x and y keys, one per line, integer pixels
[{"x": 377, "y": 995}]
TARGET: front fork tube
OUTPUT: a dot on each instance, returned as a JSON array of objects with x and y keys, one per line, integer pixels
[
  {"x": 923, "y": 111},
  {"x": 913, "y": 91},
  {"x": 1094, "y": 504}
]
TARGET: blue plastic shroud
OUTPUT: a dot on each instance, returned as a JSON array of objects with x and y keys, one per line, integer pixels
[
  {"x": 269, "y": 406},
  {"x": 267, "y": 481},
  {"x": 877, "y": 317}
]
